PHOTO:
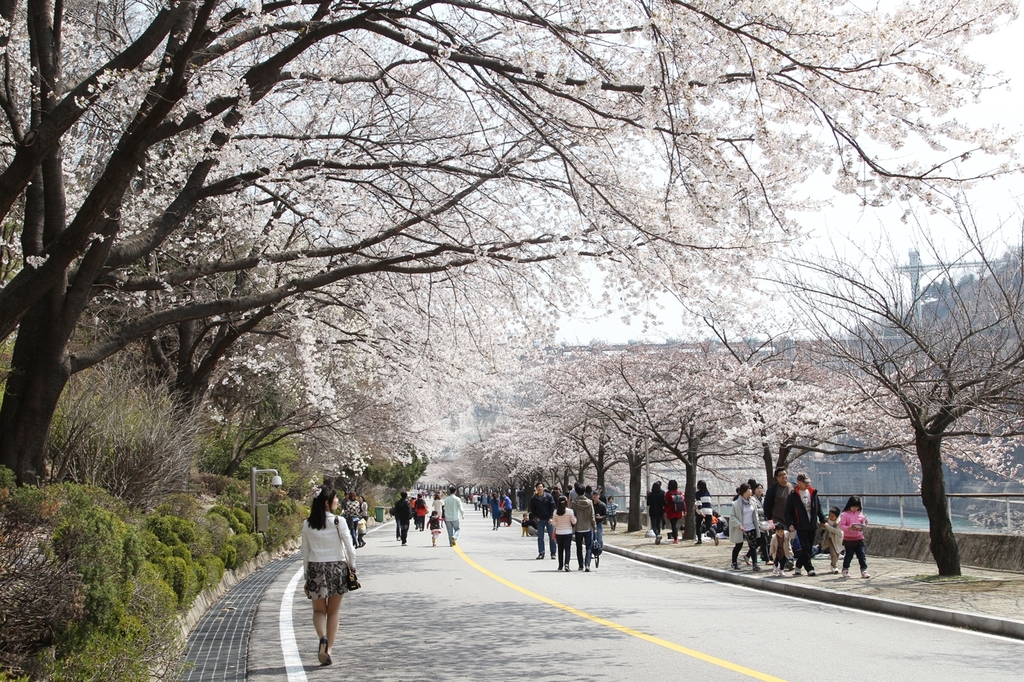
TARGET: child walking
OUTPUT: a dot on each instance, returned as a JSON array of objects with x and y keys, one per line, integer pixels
[
  {"x": 852, "y": 522},
  {"x": 832, "y": 538},
  {"x": 434, "y": 523},
  {"x": 780, "y": 551},
  {"x": 361, "y": 532}
]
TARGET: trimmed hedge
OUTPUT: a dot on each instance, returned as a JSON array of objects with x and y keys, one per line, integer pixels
[{"x": 137, "y": 573}]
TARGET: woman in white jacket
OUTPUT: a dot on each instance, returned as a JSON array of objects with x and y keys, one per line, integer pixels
[{"x": 327, "y": 557}]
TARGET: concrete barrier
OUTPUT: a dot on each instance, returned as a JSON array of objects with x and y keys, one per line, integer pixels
[{"x": 983, "y": 550}]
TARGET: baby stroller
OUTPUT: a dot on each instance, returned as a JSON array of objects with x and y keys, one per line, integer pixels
[{"x": 597, "y": 549}]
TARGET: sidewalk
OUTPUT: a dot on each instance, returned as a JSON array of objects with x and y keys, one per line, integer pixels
[{"x": 991, "y": 601}]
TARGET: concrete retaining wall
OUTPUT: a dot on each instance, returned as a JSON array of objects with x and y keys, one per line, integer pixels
[
  {"x": 998, "y": 552},
  {"x": 208, "y": 597}
]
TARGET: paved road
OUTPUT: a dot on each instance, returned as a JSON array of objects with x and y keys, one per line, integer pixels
[{"x": 493, "y": 612}]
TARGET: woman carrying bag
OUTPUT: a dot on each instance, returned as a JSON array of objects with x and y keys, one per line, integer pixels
[{"x": 329, "y": 562}]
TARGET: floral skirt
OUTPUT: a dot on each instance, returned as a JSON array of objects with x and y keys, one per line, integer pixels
[{"x": 324, "y": 579}]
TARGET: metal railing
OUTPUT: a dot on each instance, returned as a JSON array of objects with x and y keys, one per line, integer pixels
[{"x": 1013, "y": 501}]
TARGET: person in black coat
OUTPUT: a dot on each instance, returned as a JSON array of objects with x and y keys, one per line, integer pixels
[
  {"x": 403, "y": 513},
  {"x": 656, "y": 509},
  {"x": 804, "y": 516}
]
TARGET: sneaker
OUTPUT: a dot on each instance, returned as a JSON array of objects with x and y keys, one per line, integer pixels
[
  {"x": 811, "y": 573},
  {"x": 698, "y": 542},
  {"x": 865, "y": 574},
  {"x": 657, "y": 539},
  {"x": 597, "y": 561},
  {"x": 552, "y": 557},
  {"x": 404, "y": 544},
  {"x": 559, "y": 567},
  {"x": 796, "y": 573},
  {"x": 833, "y": 570},
  {"x": 541, "y": 555},
  {"x": 587, "y": 569},
  {"x": 776, "y": 571},
  {"x": 321, "y": 653},
  {"x": 454, "y": 542},
  {"x": 566, "y": 569},
  {"x": 756, "y": 567},
  {"x": 579, "y": 568},
  {"x": 716, "y": 541},
  {"x": 675, "y": 541},
  {"x": 735, "y": 566},
  {"x": 846, "y": 574}
]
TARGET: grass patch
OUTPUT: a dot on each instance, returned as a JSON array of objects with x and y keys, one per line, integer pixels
[{"x": 947, "y": 578}]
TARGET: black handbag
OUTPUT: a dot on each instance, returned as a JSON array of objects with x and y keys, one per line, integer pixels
[{"x": 351, "y": 580}]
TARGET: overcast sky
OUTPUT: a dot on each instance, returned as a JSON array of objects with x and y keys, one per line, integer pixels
[{"x": 994, "y": 201}]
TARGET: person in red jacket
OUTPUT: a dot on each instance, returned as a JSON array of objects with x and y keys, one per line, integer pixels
[{"x": 675, "y": 507}]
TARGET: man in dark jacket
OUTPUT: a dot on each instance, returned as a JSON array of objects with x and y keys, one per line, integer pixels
[
  {"x": 776, "y": 496},
  {"x": 542, "y": 507},
  {"x": 803, "y": 515},
  {"x": 402, "y": 513}
]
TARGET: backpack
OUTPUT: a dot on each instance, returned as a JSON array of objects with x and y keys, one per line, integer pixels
[{"x": 678, "y": 503}]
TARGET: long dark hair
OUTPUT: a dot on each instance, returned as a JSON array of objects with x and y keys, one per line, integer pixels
[
  {"x": 318, "y": 510},
  {"x": 702, "y": 487},
  {"x": 853, "y": 502},
  {"x": 561, "y": 505}
]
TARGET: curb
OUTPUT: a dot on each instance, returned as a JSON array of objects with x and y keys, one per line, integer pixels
[{"x": 957, "y": 619}]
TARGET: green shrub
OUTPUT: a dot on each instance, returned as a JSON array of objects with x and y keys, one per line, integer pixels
[
  {"x": 229, "y": 555},
  {"x": 7, "y": 480},
  {"x": 213, "y": 567},
  {"x": 181, "y": 505},
  {"x": 243, "y": 518},
  {"x": 216, "y": 529},
  {"x": 227, "y": 515},
  {"x": 245, "y": 546}
]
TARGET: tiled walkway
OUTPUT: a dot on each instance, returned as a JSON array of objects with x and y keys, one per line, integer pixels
[{"x": 218, "y": 645}]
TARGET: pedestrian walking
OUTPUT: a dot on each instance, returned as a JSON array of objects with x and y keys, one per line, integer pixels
[
  {"x": 583, "y": 510},
  {"x": 420, "y": 509},
  {"x": 675, "y": 508},
  {"x": 803, "y": 516},
  {"x": 495, "y": 511},
  {"x": 351, "y": 512},
  {"x": 832, "y": 538},
  {"x": 762, "y": 522},
  {"x": 613, "y": 510},
  {"x": 453, "y": 514},
  {"x": 542, "y": 508},
  {"x": 563, "y": 522},
  {"x": 402, "y": 513},
  {"x": 328, "y": 557},
  {"x": 853, "y": 522},
  {"x": 435, "y": 527},
  {"x": 707, "y": 513},
  {"x": 437, "y": 504},
  {"x": 743, "y": 525},
  {"x": 656, "y": 509}
]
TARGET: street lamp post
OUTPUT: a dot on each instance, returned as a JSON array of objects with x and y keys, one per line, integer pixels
[{"x": 275, "y": 481}]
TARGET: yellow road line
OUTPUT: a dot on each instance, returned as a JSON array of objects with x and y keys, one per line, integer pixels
[{"x": 622, "y": 628}]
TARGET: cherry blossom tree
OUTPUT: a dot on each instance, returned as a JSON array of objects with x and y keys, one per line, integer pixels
[
  {"x": 946, "y": 362},
  {"x": 191, "y": 171}
]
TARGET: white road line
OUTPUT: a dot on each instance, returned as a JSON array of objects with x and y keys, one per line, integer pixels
[
  {"x": 961, "y": 631},
  {"x": 289, "y": 649}
]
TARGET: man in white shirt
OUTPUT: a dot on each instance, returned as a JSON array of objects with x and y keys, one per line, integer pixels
[{"x": 452, "y": 515}]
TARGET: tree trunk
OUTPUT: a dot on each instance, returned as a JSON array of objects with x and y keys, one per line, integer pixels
[
  {"x": 39, "y": 372},
  {"x": 769, "y": 465},
  {"x": 636, "y": 472},
  {"x": 933, "y": 493}
]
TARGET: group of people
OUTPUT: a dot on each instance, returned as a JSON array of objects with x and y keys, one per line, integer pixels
[
  {"x": 559, "y": 520},
  {"x": 791, "y": 516},
  {"x": 447, "y": 511}
]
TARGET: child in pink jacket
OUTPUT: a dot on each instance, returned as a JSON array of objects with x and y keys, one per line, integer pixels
[{"x": 852, "y": 522}]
